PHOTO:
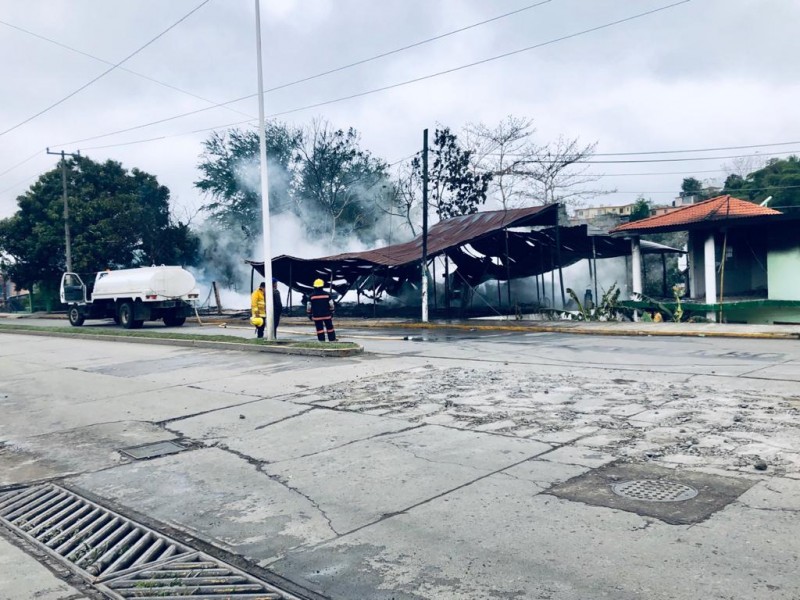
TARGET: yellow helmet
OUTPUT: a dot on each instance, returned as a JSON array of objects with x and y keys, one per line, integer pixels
[
  {"x": 319, "y": 283},
  {"x": 256, "y": 321}
]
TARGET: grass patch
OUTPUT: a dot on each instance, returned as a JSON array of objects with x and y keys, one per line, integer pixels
[{"x": 146, "y": 333}]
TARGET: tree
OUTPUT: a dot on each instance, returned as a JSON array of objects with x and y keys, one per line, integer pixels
[
  {"x": 692, "y": 187},
  {"x": 780, "y": 178},
  {"x": 117, "y": 219},
  {"x": 502, "y": 150},
  {"x": 641, "y": 209},
  {"x": 230, "y": 168},
  {"x": 455, "y": 186},
  {"x": 319, "y": 174},
  {"x": 559, "y": 171},
  {"x": 336, "y": 182}
]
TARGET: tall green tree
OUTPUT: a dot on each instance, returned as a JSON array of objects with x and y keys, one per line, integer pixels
[
  {"x": 321, "y": 174},
  {"x": 780, "y": 178},
  {"x": 117, "y": 219},
  {"x": 230, "y": 175},
  {"x": 337, "y": 182}
]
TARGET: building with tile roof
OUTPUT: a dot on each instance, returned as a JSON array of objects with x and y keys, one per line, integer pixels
[{"x": 743, "y": 259}]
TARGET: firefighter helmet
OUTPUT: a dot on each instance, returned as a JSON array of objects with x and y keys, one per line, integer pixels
[
  {"x": 256, "y": 321},
  {"x": 319, "y": 283}
]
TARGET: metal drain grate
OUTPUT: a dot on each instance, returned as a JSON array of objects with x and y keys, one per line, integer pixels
[
  {"x": 120, "y": 557},
  {"x": 195, "y": 576},
  {"x": 153, "y": 450},
  {"x": 654, "y": 490},
  {"x": 95, "y": 541}
]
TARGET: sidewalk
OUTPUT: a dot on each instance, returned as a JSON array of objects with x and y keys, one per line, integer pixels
[
  {"x": 611, "y": 328},
  {"x": 22, "y": 577}
]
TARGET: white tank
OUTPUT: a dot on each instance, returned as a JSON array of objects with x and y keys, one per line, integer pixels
[{"x": 145, "y": 283}]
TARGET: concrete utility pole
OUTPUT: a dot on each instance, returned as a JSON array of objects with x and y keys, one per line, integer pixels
[
  {"x": 68, "y": 241},
  {"x": 424, "y": 268},
  {"x": 262, "y": 136}
]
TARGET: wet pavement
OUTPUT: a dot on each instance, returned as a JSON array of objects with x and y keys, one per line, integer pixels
[{"x": 460, "y": 465}]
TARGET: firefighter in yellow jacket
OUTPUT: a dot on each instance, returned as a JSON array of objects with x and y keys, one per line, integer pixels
[{"x": 258, "y": 310}]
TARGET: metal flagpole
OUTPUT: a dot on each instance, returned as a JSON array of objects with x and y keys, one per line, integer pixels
[{"x": 262, "y": 135}]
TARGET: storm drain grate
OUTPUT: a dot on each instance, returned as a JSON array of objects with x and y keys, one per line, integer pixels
[
  {"x": 153, "y": 450},
  {"x": 195, "y": 576},
  {"x": 654, "y": 490},
  {"x": 120, "y": 557},
  {"x": 95, "y": 541}
]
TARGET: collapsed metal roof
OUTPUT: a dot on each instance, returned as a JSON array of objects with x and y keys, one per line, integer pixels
[{"x": 492, "y": 245}]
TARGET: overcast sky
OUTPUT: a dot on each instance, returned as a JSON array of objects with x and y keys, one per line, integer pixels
[{"x": 706, "y": 73}]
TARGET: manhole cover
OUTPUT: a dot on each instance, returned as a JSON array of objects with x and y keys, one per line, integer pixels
[
  {"x": 654, "y": 490},
  {"x": 153, "y": 450}
]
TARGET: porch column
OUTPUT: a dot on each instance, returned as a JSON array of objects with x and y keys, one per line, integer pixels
[
  {"x": 636, "y": 271},
  {"x": 710, "y": 264},
  {"x": 636, "y": 266}
]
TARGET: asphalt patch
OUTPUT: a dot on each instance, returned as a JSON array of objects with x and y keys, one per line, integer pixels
[{"x": 596, "y": 487}]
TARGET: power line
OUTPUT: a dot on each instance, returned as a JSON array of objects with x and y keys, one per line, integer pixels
[
  {"x": 745, "y": 190},
  {"x": 653, "y": 173},
  {"x": 316, "y": 76},
  {"x": 719, "y": 148},
  {"x": 108, "y": 62},
  {"x": 660, "y": 160},
  {"x": 485, "y": 60},
  {"x": 22, "y": 162},
  {"x": 392, "y": 86},
  {"x": 107, "y": 71},
  {"x": 409, "y": 46}
]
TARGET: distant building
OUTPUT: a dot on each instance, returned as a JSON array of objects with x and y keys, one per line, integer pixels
[
  {"x": 662, "y": 210},
  {"x": 593, "y": 212}
]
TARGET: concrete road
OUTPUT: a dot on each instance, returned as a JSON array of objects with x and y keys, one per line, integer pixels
[{"x": 461, "y": 466}]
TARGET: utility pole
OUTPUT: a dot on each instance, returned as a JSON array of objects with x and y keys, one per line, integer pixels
[
  {"x": 262, "y": 136},
  {"x": 67, "y": 239},
  {"x": 424, "y": 266}
]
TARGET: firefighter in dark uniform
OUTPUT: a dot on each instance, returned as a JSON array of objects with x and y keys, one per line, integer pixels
[{"x": 320, "y": 310}]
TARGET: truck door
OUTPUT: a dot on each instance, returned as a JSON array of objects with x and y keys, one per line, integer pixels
[{"x": 73, "y": 290}]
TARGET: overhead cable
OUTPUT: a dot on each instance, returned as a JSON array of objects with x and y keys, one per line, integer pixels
[
  {"x": 395, "y": 85},
  {"x": 106, "y": 72},
  {"x": 108, "y": 62}
]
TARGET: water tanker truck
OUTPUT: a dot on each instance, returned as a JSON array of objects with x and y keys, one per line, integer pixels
[{"x": 131, "y": 296}]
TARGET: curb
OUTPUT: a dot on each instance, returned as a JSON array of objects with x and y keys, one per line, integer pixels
[
  {"x": 332, "y": 353},
  {"x": 578, "y": 329}
]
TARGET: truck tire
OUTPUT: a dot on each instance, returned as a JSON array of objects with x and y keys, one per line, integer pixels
[
  {"x": 126, "y": 316},
  {"x": 174, "y": 320},
  {"x": 76, "y": 318}
]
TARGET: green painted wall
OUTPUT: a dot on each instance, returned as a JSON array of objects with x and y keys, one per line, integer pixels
[{"x": 783, "y": 269}]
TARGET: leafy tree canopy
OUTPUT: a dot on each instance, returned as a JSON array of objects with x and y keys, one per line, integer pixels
[
  {"x": 641, "y": 209},
  {"x": 117, "y": 219},
  {"x": 780, "y": 178},
  {"x": 456, "y": 188},
  {"x": 320, "y": 174}
]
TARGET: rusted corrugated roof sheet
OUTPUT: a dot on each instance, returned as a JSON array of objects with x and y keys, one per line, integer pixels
[
  {"x": 716, "y": 209},
  {"x": 477, "y": 246},
  {"x": 454, "y": 232}
]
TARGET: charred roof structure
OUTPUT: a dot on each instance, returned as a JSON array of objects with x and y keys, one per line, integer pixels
[{"x": 493, "y": 245}]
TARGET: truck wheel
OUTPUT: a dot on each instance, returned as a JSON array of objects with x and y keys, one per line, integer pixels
[
  {"x": 126, "y": 316},
  {"x": 174, "y": 321},
  {"x": 76, "y": 319}
]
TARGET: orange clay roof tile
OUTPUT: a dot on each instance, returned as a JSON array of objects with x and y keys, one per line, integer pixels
[{"x": 719, "y": 208}]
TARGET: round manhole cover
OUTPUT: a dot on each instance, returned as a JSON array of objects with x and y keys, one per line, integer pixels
[{"x": 654, "y": 490}]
